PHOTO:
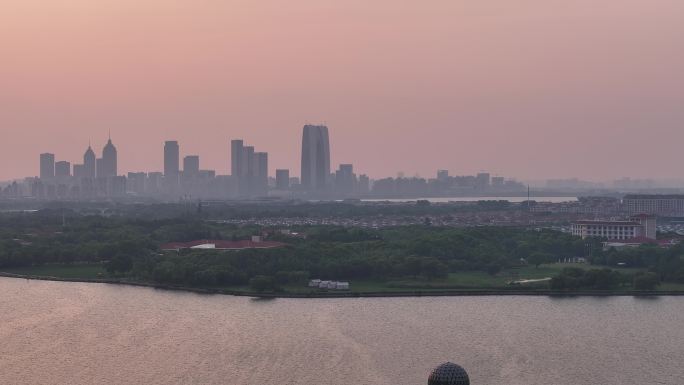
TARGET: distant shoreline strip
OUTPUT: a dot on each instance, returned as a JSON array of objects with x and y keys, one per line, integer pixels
[{"x": 407, "y": 293}]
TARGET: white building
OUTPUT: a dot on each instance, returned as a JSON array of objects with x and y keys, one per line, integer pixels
[{"x": 640, "y": 226}]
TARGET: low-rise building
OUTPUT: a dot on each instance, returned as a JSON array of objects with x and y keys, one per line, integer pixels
[
  {"x": 662, "y": 205},
  {"x": 207, "y": 244},
  {"x": 640, "y": 226}
]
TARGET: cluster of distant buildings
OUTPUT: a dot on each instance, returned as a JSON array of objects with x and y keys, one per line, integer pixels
[
  {"x": 640, "y": 227},
  {"x": 446, "y": 185},
  {"x": 99, "y": 177},
  {"x": 663, "y": 205}
]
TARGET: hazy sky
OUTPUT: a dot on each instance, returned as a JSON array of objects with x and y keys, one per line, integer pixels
[{"x": 525, "y": 88}]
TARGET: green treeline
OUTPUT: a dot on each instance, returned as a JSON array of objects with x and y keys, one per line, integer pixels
[{"x": 129, "y": 247}]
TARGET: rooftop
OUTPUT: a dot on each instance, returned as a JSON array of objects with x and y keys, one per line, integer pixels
[
  {"x": 654, "y": 196},
  {"x": 221, "y": 245},
  {"x": 607, "y": 223}
]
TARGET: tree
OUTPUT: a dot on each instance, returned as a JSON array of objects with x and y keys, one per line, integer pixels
[
  {"x": 646, "y": 281},
  {"x": 432, "y": 268},
  {"x": 538, "y": 258},
  {"x": 121, "y": 263},
  {"x": 262, "y": 283},
  {"x": 493, "y": 269}
]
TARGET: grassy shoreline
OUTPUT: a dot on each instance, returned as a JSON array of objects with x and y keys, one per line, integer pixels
[{"x": 458, "y": 284}]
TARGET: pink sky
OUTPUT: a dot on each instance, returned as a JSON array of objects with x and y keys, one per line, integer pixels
[{"x": 525, "y": 88}]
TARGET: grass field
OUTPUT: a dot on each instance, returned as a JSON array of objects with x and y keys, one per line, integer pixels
[
  {"x": 469, "y": 280},
  {"x": 88, "y": 271}
]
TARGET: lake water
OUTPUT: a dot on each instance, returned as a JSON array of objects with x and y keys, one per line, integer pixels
[
  {"x": 477, "y": 199},
  {"x": 77, "y": 333}
]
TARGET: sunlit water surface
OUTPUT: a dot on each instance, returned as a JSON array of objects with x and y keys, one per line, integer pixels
[{"x": 74, "y": 333}]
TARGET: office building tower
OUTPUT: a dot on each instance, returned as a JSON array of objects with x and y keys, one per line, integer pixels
[
  {"x": 247, "y": 162},
  {"x": 236, "y": 148},
  {"x": 89, "y": 163},
  {"x": 260, "y": 171},
  {"x": 282, "y": 179},
  {"x": 109, "y": 161},
  {"x": 136, "y": 182},
  {"x": 442, "y": 175},
  {"x": 482, "y": 180},
  {"x": 171, "y": 160},
  {"x": 99, "y": 168},
  {"x": 364, "y": 184},
  {"x": 47, "y": 165},
  {"x": 153, "y": 184},
  {"x": 79, "y": 171},
  {"x": 315, "y": 157},
  {"x": 191, "y": 166},
  {"x": 345, "y": 180},
  {"x": 62, "y": 169}
]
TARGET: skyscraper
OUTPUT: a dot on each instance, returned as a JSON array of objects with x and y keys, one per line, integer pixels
[
  {"x": 47, "y": 165},
  {"x": 171, "y": 159},
  {"x": 345, "y": 179},
  {"x": 236, "y": 147},
  {"x": 109, "y": 161},
  {"x": 191, "y": 166},
  {"x": 247, "y": 162},
  {"x": 171, "y": 165},
  {"x": 89, "y": 163},
  {"x": 260, "y": 172},
  {"x": 62, "y": 169},
  {"x": 282, "y": 179},
  {"x": 315, "y": 157}
]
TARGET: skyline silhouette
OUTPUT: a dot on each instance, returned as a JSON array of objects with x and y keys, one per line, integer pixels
[{"x": 535, "y": 90}]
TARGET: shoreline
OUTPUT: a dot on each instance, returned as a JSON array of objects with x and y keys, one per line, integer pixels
[{"x": 389, "y": 294}]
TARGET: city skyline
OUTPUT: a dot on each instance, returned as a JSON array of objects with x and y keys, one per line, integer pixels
[
  {"x": 465, "y": 86},
  {"x": 89, "y": 160}
]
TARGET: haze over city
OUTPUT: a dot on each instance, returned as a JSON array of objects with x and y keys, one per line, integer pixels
[{"x": 531, "y": 89}]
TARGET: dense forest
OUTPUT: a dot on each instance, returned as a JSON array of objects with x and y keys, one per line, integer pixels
[{"x": 128, "y": 247}]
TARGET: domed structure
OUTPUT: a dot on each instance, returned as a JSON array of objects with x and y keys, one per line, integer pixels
[
  {"x": 109, "y": 160},
  {"x": 89, "y": 162},
  {"x": 448, "y": 374}
]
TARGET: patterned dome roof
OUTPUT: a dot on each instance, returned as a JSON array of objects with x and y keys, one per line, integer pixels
[{"x": 448, "y": 374}]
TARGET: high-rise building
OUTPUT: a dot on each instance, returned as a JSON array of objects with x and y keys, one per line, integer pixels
[
  {"x": 482, "y": 180},
  {"x": 109, "y": 161},
  {"x": 315, "y": 157},
  {"x": 442, "y": 175},
  {"x": 171, "y": 160},
  {"x": 62, "y": 169},
  {"x": 260, "y": 172},
  {"x": 236, "y": 148},
  {"x": 89, "y": 163},
  {"x": 345, "y": 180},
  {"x": 47, "y": 165},
  {"x": 136, "y": 182},
  {"x": 364, "y": 184},
  {"x": 191, "y": 166},
  {"x": 99, "y": 168},
  {"x": 247, "y": 162},
  {"x": 282, "y": 179},
  {"x": 79, "y": 171}
]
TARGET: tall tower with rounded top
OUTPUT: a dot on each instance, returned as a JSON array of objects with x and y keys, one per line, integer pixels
[
  {"x": 89, "y": 163},
  {"x": 109, "y": 160}
]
